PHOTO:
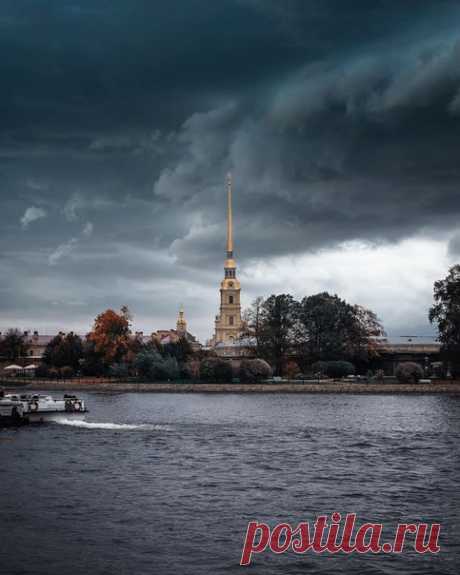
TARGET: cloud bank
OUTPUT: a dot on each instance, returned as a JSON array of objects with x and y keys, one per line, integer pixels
[{"x": 340, "y": 124}]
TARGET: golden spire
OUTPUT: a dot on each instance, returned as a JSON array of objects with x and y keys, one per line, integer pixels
[{"x": 229, "y": 217}]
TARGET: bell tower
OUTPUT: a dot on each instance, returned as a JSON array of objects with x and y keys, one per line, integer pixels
[
  {"x": 228, "y": 323},
  {"x": 181, "y": 324}
]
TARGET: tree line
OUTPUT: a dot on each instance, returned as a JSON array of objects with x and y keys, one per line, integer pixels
[
  {"x": 321, "y": 332},
  {"x": 111, "y": 349},
  {"x": 315, "y": 330}
]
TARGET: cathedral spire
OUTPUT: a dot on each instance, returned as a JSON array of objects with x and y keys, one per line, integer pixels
[
  {"x": 229, "y": 217},
  {"x": 228, "y": 324}
]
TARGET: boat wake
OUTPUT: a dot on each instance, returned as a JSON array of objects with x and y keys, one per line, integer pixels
[{"x": 112, "y": 426}]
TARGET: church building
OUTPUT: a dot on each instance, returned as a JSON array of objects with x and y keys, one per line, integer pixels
[
  {"x": 228, "y": 323},
  {"x": 165, "y": 336}
]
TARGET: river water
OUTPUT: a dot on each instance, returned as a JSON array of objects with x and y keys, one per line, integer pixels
[{"x": 166, "y": 483}]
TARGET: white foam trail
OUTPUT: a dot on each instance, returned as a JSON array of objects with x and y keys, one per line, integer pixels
[{"x": 112, "y": 426}]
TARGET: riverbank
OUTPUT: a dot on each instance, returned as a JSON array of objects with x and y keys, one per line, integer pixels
[{"x": 285, "y": 387}]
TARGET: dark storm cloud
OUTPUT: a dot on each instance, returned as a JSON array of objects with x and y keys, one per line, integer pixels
[
  {"x": 339, "y": 121},
  {"x": 363, "y": 148}
]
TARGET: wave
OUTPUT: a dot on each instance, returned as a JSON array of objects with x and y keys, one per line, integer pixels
[{"x": 112, "y": 426}]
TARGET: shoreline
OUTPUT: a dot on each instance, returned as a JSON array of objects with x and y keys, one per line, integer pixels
[{"x": 326, "y": 388}]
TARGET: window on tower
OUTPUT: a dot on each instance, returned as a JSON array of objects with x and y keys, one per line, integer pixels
[
  {"x": 230, "y": 320},
  {"x": 230, "y": 299}
]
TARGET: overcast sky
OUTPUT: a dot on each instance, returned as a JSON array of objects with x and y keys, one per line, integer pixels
[{"x": 340, "y": 122}]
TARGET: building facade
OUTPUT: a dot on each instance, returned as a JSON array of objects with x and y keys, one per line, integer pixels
[
  {"x": 165, "y": 336},
  {"x": 391, "y": 354},
  {"x": 228, "y": 323}
]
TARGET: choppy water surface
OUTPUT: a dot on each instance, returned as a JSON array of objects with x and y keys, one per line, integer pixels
[{"x": 166, "y": 484}]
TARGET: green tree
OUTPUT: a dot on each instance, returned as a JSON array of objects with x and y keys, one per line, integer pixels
[
  {"x": 271, "y": 324},
  {"x": 167, "y": 370},
  {"x": 119, "y": 370},
  {"x": 216, "y": 369},
  {"x": 150, "y": 364},
  {"x": 64, "y": 350},
  {"x": 13, "y": 345},
  {"x": 93, "y": 360},
  {"x": 329, "y": 328},
  {"x": 180, "y": 349},
  {"x": 445, "y": 313},
  {"x": 145, "y": 362}
]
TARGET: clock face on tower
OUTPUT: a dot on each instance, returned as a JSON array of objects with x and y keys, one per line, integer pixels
[{"x": 230, "y": 284}]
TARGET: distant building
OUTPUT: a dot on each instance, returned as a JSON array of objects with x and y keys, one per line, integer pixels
[
  {"x": 390, "y": 354},
  {"x": 237, "y": 350},
  {"x": 164, "y": 336},
  {"x": 37, "y": 344},
  {"x": 228, "y": 322}
]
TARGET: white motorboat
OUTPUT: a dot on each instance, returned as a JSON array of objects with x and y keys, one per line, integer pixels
[{"x": 40, "y": 408}]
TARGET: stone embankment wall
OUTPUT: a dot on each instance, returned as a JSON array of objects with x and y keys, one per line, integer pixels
[{"x": 328, "y": 386}]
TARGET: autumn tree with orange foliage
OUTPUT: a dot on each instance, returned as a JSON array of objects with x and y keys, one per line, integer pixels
[{"x": 111, "y": 336}]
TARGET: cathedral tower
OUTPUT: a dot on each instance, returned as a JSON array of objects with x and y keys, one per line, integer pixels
[
  {"x": 181, "y": 324},
  {"x": 228, "y": 323}
]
